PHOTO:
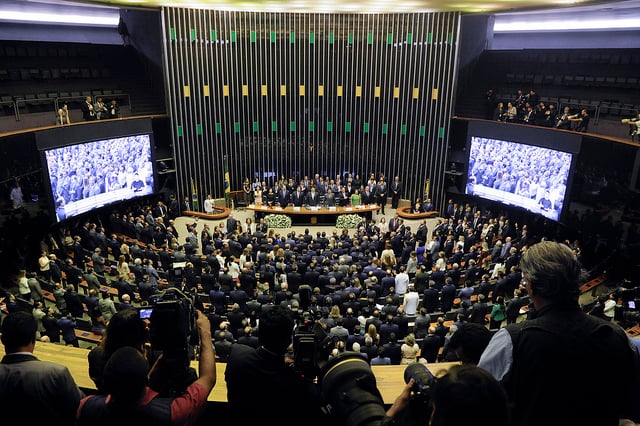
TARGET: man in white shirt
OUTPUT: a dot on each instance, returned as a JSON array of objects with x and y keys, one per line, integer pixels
[
  {"x": 208, "y": 204},
  {"x": 411, "y": 300},
  {"x": 402, "y": 281},
  {"x": 610, "y": 307}
]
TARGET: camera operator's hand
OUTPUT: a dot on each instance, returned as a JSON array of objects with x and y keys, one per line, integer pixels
[
  {"x": 402, "y": 400},
  {"x": 207, "y": 364}
]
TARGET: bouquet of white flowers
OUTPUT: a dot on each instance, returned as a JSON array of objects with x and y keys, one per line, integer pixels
[
  {"x": 277, "y": 221},
  {"x": 350, "y": 221}
]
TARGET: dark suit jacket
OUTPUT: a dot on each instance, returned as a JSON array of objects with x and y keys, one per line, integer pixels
[
  {"x": 257, "y": 381},
  {"x": 26, "y": 381}
]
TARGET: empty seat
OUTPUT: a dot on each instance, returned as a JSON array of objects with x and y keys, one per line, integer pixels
[
  {"x": 589, "y": 80},
  {"x": 614, "y": 109},
  {"x": 567, "y": 80},
  {"x": 621, "y": 81},
  {"x": 609, "y": 81},
  {"x": 578, "y": 80}
]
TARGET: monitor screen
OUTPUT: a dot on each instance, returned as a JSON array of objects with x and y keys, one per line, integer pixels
[
  {"x": 526, "y": 176},
  {"x": 89, "y": 175}
]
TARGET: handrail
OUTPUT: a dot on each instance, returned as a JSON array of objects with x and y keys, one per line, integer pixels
[
  {"x": 25, "y": 101},
  {"x": 13, "y": 104}
]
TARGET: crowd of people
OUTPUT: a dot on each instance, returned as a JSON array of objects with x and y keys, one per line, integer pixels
[
  {"x": 388, "y": 293},
  {"x": 343, "y": 190},
  {"x": 527, "y": 108},
  {"x": 98, "y": 110}
]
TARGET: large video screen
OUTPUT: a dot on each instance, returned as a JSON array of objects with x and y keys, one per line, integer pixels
[
  {"x": 531, "y": 177},
  {"x": 94, "y": 174}
]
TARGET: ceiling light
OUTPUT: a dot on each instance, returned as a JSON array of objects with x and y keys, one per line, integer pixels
[
  {"x": 106, "y": 19},
  {"x": 565, "y": 25}
]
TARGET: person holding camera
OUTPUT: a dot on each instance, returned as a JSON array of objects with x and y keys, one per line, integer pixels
[
  {"x": 261, "y": 387},
  {"x": 634, "y": 125},
  {"x": 128, "y": 396}
]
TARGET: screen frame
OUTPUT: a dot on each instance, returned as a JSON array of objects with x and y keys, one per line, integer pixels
[
  {"x": 562, "y": 141},
  {"x": 84, "y": 133}
]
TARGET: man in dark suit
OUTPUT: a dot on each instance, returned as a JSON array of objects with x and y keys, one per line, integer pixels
[
  {"x": 283, "y": 196},
  {"x": 232, "y": 224},
  {"x": 248, "y": 338},
  {"x": 186, "y": 205},
  {"x": 259, "y": 379},
  {"x": 24, "y": 379},
  {"x": 396, "y": 190},
  {"x": 298, "y": 197},
  {"x": 312, "y": 197}
]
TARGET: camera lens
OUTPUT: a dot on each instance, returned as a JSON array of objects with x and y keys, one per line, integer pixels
[{"x": 420, "y": 374}]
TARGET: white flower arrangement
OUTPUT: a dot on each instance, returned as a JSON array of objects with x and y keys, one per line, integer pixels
[
  {"x": 277, "y": 221},
  {"x": 350, "y": 221}
]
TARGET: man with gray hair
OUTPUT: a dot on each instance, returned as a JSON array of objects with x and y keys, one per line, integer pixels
[{"x": 559, "y": 340}]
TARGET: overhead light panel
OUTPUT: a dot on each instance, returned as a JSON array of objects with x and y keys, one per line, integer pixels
[
  {"x": 103, "y": 18},
  {"x": 566, "y": 24}
]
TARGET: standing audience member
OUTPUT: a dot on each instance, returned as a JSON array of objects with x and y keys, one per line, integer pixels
[
  {"x": 498, "y": 313},
  {"x": 43, "y": 391},
  {"x": 528, "y": 357},
  {"x": 62, "y": 117},
  {"x": 410, "y": 350},
  {"x": 88, "y": 111},
  {"x": 131, "y": 400},
  {"x": 68, "y": 329},
  {"x": 609, "y": 307},
  {"x": 259, "y": 380}
]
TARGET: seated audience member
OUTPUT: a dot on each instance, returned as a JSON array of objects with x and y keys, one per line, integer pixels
[
  {"x": 527, "y": 357},
  {"x": 129, "y": 397},
  {"x": 467, "y": 395},
  {"x": 43, "y": 391},
  {"x": 259, "y": 379}
]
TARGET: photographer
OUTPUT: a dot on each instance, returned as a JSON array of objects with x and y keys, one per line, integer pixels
[
  {"x": 131, "y": 399},
  {"x": 634, "y": 125}
]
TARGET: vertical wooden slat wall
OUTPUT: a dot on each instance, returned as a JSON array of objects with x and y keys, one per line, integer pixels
[{"x": 298, "y": 94}]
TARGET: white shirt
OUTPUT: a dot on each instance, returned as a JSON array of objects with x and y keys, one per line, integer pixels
[
  {"x": 208, "y": 206},
  {"x": 402, "y": 283},
  {"x": 609, "y": 308},
  {"x": 411, "y": 300}
]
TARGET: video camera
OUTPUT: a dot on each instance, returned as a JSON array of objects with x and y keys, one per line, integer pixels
[
  {"x": 173, "y": 334},
  {"x": 311, "y": 346}
]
